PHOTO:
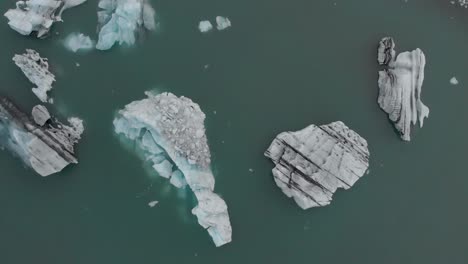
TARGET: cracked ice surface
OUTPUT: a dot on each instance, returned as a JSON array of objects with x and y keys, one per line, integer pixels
[
  {"x": 120, "y": 21},
  {"x": 37, "y": 71},
  {"x": 38, "y": 15},
  {"x": 171, "y": 131}
]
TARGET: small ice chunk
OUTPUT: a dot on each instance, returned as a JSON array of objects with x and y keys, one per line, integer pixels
[
  {"x": 205, "y": 26},
  {"x": 153, "y": 203},
  {"x": 222, "y": 23},
  {"x": 40, "y": 114},
  {"x": 164, "y": 169},
  {"x": 78, "y": 41},
  {"x": 454, "y": 81},
  {"x": 178, "y": 179}
]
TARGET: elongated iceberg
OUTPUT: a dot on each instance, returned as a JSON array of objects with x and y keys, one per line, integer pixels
[
  {"x": 171, "y": 132},
  {"x": 400, "y": 86},
  {"x": 41, "y": 142},
  {"x": 78, "y": 41},
  {"x": 36, "y": 69},
  {"x": 38, "y": 15},
  {"x": 312, "y": 163},
  {"x": 121, "y": 20}
]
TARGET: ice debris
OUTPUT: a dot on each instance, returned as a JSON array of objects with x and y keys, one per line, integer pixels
[
  {"x": 38, "y": 15},
  {"x": 453, "y": 81},
  {"x": 121, "y": 20},
  {"x": 205, "y": 26},
  {"x": 312, "y": 163},
  {"x": 222, "y": 23},
  {"x": 36, "y": 70},
  {"x": 400, "y": 86},
  {"x": 153, "y": 203},
  {"x": 171, "y": 132},
  {"x": 46, "y": 148},
  {"x": 78, "y": 41}
]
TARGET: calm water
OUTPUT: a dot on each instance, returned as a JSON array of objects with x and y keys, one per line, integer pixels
[{"x": 283, "y": 65}]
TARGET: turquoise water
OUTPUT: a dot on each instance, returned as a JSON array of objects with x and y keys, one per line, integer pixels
[{"x": 282, "y": 66}]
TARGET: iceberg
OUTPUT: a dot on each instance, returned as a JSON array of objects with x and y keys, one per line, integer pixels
[
  {"x": 400, "y": 87},
  {"x": 311, "y": 164},
  {"x": 170, "y": 131},
  {"x": 222, "y": 23},
  {"x": 205, "y": 26},
  {"x": 78, "y": 41},
  {"x": 41, "y": 142},
  {"x": 38, "y": 15},
  {"x": 121, "y": 20},
  {"x": 36, "y": 70}
]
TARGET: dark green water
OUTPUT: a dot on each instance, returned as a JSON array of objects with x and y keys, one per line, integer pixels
[{"x": 283, "y": 65}]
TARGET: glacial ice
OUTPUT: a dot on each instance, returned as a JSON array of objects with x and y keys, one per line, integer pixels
[
  {"x": 205, "y": 26},
  {"x": 312, "y": 163},
  {"x": 46, "y": 148},
  {"x": 222, "y": 23},
  {"x": 78, "y": 41},
  {"x": 454, "y": 81},
  {"x": 121, "y": 20},
  {"x": 170, "y": 129},
  {"x": 36, "y": 70},
  {"x": 38, "y": 15},
  {"x": 400, "y": 86}
]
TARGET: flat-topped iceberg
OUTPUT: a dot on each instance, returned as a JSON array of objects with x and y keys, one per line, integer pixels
[
  {"x": 38, "y": 15},
  {"x": 36, "y": 69},
  {"x": 312, "y": 163},
  {"x": 42, "y": 142},
  {"x": 400, "y": 86},
  {"x": 78, "y": 41},
  {"x": 171, "y": 132},
  {"x": 121, "y": 20}
]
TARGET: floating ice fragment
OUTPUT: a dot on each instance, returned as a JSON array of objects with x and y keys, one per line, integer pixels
[
  {"x": 205, "y": 26},
  {"x": 78, "y": 41},
  {"x": 222, "y": 23},
  {"x": 153, "y": 203},
  {"x": 36, "y": 70},
  {"x": 121, "y": 20},
  {"x": 176, "y": 126},
  {"x": 454, "y": 81}
]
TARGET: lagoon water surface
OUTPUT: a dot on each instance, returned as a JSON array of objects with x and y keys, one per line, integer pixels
[{"x": 281, "y": 66}]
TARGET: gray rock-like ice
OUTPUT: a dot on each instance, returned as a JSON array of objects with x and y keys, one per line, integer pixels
[
  {"x": 121, "y": 20},
  {"x": 312, "y": 163},
  {"x": 38, "y": 15},
  {"x": 171, "y": 132},
  {"x": 36, "y": 70},
  {"x": 46, "y": 148},
  {"x": 78, "y": 41},
  {"x": 400, "y": 86}
]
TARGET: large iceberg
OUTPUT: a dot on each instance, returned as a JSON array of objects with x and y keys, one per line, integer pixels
[
  {"x": 78, "y": 41},
  {"x": 37, "y": 71},
  {"x": 311, "y": 164},
  {"x": 400, "y": 86},
  {"x": 38, "y": 15},
  {"x": 43, "y": 143},
  {"x": 171, "y": 132},
  {"x": 121, "y": 20}
]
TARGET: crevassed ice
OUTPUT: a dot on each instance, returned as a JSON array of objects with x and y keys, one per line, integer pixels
[
  {"x": 171, "y": 132},
  {"x": 78, "y": 41},
  {"x": 121, "y": 20}
]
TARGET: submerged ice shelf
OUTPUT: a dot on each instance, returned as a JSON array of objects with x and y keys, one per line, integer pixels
[
  {"x": 400, "y": 86},
  {"x": 121, "y": 20},
  {"x": 38, "y": 15},
  {"x": 43, "y": 143},
  {"x": 37, "y": 71},
  {"x": 312, "y": 163},
  {"x": 171, "y": 132}
]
